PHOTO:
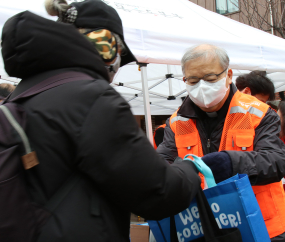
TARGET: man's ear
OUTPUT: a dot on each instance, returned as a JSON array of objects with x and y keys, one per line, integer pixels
[
  {"x": 246, "y": 91},
  {"x": 230, "y": 76}
]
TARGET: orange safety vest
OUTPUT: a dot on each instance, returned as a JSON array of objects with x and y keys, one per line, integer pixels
[
  {"x": 244, "y": 115},
  {"x": 161, "y": 126}
]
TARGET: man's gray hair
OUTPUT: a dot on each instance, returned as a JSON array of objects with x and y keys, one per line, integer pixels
[{"x": 211, "y": 51}]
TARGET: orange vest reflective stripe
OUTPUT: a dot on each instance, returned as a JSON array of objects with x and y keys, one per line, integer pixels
[
  {"x": 244, "y": 115},
  {"x": 161, "y": 126}
]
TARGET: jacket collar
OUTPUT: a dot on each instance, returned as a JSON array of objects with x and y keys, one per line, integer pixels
[{"x": 189, "y": 109}]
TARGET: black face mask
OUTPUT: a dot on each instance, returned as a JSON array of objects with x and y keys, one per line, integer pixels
[{"x": 113, "y": 68}]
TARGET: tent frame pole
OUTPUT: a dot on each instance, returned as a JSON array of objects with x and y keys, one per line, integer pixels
[
  {"x": 148, "y": 124},
  {"x": 169, "y": 81}
]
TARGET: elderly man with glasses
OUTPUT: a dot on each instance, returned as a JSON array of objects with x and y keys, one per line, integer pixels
[{"x": 231, "y": 131}]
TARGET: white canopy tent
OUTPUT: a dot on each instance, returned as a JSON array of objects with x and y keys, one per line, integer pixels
[{"x": 159, "y": 31}]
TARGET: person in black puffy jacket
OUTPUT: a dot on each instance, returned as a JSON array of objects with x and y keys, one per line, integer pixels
[{"x": 86, "y": 127}]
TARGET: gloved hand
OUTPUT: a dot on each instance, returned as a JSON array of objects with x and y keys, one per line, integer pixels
[{"x": 221, "y": 165}]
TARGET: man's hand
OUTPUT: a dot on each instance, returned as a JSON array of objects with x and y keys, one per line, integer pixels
[{"x": 221, "y": 165}]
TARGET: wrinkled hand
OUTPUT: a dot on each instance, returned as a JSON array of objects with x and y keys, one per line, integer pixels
[{"x": 221, "y": 165}]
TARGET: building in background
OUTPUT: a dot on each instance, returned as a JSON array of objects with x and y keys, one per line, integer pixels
[{"x": 262, "y": 14}]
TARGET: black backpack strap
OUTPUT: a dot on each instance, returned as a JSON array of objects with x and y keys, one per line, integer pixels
[
  {"x": 212, "y": 232},
  {"x": 173, "y": 231},
  {"x": 51, "y": 82},
  {"x": 45, "y": 85},
  {"x": 209, "y": 224}
]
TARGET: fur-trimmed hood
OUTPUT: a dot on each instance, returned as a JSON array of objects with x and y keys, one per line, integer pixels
[{"x": 32, "y": 45}]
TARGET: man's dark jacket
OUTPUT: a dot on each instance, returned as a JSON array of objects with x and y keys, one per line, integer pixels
[
  {"x": 264, "y": 165},
  {"x": 86, "y": 127}
]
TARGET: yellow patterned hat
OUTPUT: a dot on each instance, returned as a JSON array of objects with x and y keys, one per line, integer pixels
[{"x": 104, "y": 42}]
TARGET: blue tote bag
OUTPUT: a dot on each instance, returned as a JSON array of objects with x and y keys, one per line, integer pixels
[{"x": 233, "y": 204}]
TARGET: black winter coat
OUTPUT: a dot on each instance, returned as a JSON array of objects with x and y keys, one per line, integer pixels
[
  {"x": 264, "y": 165},
  {"x": 86, "y": 127}
]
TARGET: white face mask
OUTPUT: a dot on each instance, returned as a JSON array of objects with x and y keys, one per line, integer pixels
[
  {"x": 206, "y": 94},
  {"x": 113, "y": 68}
]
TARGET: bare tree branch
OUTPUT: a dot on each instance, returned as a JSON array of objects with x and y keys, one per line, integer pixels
[{"x": 263, "y": 14}]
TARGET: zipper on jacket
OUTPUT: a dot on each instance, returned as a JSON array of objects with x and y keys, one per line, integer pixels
[
  {"x": 209, "y": 145},
  {"x": 233, "y": 143}
]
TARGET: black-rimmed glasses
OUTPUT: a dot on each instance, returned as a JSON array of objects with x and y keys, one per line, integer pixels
[{"x": 192, "y": 80}]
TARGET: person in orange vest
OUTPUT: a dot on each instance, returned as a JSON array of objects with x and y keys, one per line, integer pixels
[
  {"x": 256, "y": 84},
  {"x": 158, "y": 135},
  {"x": 231, "y": 131}
]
